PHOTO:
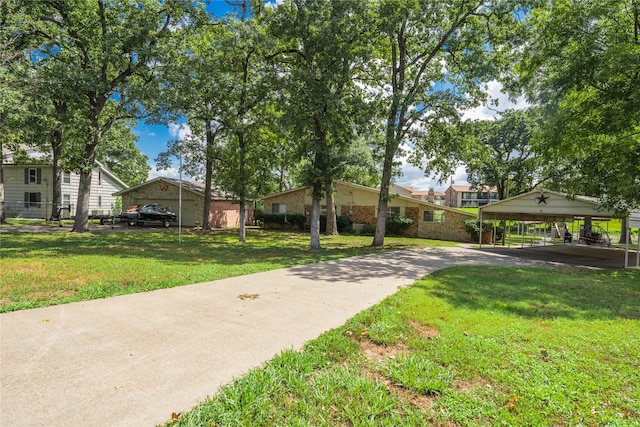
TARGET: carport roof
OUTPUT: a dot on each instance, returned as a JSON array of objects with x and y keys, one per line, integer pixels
[{"x": 545, "y": 205}]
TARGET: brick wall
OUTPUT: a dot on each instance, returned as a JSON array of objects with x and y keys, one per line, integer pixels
[
  {"x": 294, "y": 201},
  {"x": 451, "y": 229},
  {"x": 225, "y": 213},
  {"x": 414, "y": 214},
  {"x": 361, "y": 214}
]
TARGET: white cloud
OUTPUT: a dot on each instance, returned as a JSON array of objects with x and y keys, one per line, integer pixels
[
  {"x": 415, "y": 176},
  {"x": 489, "y": 111},
  {"x": 178, "y": 130},
  {"x": 273, "y": 4},
  {"x": 165, "y": 173}
]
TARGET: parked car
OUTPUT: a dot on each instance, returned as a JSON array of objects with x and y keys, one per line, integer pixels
[{"x": 149, "y": 212}]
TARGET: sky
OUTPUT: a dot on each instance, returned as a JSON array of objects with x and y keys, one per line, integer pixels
[{"x": 153, "y": 139}]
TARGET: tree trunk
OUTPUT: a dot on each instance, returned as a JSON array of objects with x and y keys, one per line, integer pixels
[
  {"x": 587, "y": 224},
  {"x": 332, "y": 221},
  {"x": 242, "y": 235},
  {"x": 56, "y": 191},
  {"x": 81, "y": 223},
  {"x": 206, "y": 211},
  {"x": 315, "y": 217},
  {"x": 243, "y": 186},
  {"x": 381, "y": 223},
  {"x": 281, "y": 184},
  {"x": 57, "y": 140},
  {"x": 2, "y": 216},
  {"x": 624, "y": 234}
]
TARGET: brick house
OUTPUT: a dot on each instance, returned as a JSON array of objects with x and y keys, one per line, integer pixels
[
  {"x": 224, "y": 212},
  {"x": 360, "y": 203}
]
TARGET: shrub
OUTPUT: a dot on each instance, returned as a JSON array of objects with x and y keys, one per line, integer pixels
[
  {"x": 368, "y": 230},
  {"x": 473, "y": 228},
  {"x": 398, "y": 224},
  {"x": 344, "y": 223},
  {"x": 282, "y": 220}
]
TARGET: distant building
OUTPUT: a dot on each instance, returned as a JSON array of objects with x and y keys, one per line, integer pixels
[
  {"x": 28, "y": 188},
  {"x": 431, "y": 196},
  {"x": 464, "y": 196}
]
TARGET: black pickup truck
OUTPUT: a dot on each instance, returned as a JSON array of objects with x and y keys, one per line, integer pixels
[{"x": 137, "y": 215}]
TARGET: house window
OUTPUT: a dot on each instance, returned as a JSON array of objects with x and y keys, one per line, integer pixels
[
  {"x": 66, "y": 200},
  {"x": 394, "y": 210},
  {"x": 278, "y": 208},
  {"x": 66, "y": 178},
  {"x": 433, "y": 216},
  {"x": 32, "y": 175},
  {"x": 99, "y": 178},
  {"x": 99, "y": 201},
  {"x": 32, "y": 200}
]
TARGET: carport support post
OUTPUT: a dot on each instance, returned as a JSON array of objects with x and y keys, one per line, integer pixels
[
  {"x": 626, "y": 249},
  {"x": 495, "y": 231},
  {"x": 638, "y": 251},
  {"x": 481, "y": 228}
]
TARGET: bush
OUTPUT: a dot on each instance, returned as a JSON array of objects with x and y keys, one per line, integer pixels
[
  {"x": 398, "y": 224},
  {"x": 368, "y": 230},
  {"x": 344, "y": 223},
  {"x": 473, "y": 228},
  {"x": 282, "y": 220}
]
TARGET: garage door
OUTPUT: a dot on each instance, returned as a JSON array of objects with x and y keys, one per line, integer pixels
[{"x": 188, "y": 209}]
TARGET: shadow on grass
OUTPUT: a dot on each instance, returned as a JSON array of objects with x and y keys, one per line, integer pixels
[
  {"x": 218, "y": 247},
  {"x": 540, "y": 293}
]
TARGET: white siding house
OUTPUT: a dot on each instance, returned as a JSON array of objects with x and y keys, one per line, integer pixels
[{"x": 28, "y": 191}]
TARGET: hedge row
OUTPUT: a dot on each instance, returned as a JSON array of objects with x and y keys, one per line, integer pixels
[{"x": 298, "y": 221}]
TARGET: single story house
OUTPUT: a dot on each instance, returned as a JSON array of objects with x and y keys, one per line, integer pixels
[
  {"x": 28, "y": 189},
  {"x": 166, "y": 192},
  {"x": 360, "y": 204}
]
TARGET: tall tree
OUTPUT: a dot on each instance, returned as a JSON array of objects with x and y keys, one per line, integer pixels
[
  {"x": 501, "y": 153},
  {"x": 321, "y": 44},
  {"x": 434, "y": 56},
  {"x": 582, "y": 65},
  {"x": 190, "y": 85},
  {"x": 245, "y": 98},
  {"x": 99, "y": 49},
  {"x": 13, "y": 90},
  {"x": 219, "y": 87}
]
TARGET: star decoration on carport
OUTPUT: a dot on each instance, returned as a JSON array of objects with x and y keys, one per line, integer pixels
[{"x": 542, "y": 199}]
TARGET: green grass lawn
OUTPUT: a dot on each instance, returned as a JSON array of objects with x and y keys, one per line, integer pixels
[
  {"x": 465, "y": 346},
  {"x": 41, "y": 269}
]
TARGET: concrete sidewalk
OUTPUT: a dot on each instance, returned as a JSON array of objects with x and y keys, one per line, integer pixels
[{"x": 133, "y": 360}]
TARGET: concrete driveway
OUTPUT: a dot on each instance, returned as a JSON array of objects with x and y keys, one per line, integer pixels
[{"x": 133, "y": 360}]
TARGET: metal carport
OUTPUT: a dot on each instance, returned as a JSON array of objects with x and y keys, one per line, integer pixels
[{"x": 551, "y": 206}]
